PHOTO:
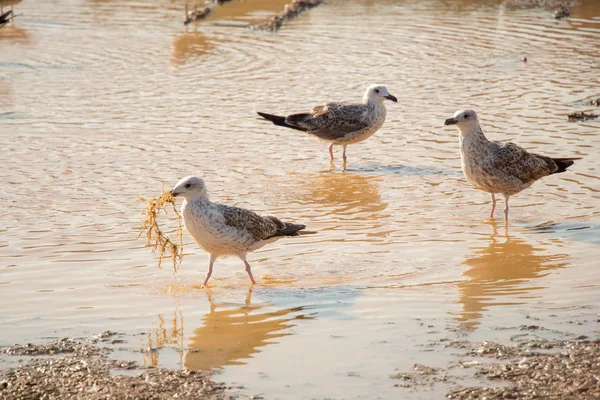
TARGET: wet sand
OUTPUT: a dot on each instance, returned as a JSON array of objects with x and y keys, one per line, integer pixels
[
  {"x": 531, "y": 368},
  {"x": 68, "y": 368}
]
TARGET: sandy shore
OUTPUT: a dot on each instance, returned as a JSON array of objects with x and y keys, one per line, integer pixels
[{"x": 532, "y": 369}]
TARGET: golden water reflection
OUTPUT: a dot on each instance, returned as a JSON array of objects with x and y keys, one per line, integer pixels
[
  {"x": 188, "y": 45},
  {"x": 505, "y": 267},
  {"x": 15, "y": 34},
  {"x": 347, "y": 193},
  {"x": 231, "y": 335}
]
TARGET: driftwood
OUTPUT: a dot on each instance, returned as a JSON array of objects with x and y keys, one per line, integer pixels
[
  {"x": 201, "y": 13},
  {"x": 273, "y": 24},
  {"x": 582, "y": 116},
  {"x": 292, "y": 10}
]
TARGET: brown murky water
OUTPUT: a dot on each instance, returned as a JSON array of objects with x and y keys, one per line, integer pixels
[{"x": 103, "y": 100}]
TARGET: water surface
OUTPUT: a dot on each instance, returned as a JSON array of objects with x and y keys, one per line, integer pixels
[{"x": 101, "y": 101}]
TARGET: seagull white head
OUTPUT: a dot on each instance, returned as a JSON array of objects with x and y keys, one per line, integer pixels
[
  {"x": 465, "y": 120},
  {"x": 190, "y": 187},
  {"x": 377, "y": 94}
]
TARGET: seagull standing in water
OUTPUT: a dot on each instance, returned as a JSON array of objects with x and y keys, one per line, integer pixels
[
  {"x": 223, "y": 230},
  {"x": 496, "y": 167},
  {"x": 340, "y": 123}
]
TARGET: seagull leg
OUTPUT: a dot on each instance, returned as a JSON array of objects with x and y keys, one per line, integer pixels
[
  {"x": 506, "y": 208},
  {"x": 344, "y": 153},
  {"x": 493, "y": 206},
  {"x": 209, "y": 272},
  {"x": 331, "y": 152},
  {"x": 249, "y": 271}
]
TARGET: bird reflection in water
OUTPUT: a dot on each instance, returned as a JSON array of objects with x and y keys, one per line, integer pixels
[
  {"x": 229, "y": 334},
  {"x": 164, "y": 335},
  {"x": 346, "y": 193},
  {"x": 505, "y": 268},
  {"x": 189, "y": 45},
  {"x": 232, "y": 334}
]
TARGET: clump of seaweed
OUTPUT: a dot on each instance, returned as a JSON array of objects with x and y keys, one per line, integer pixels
[{"x": 155, "y": 237}]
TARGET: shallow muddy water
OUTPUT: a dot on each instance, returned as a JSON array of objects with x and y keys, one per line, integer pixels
[{"x": 101, "y": 101}]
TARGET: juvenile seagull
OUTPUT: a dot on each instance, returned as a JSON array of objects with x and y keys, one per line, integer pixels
[
  {"x": 499, "y": 167},
  {"x": 341, "y": 123},
  {"x": 223, "y": 230}
]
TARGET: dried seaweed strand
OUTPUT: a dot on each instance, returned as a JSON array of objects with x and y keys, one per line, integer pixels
[{"x": 155, "y": 237}]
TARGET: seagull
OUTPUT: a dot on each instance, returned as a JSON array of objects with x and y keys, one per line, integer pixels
[
  {"x": 340, "y": 123},
  {"x": 224, "y": 230},
  {"x": 496, "y": 167}
]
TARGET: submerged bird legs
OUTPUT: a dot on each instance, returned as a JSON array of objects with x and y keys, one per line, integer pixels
[
  {"x": 331, "y": 152},
  {"x": 505, "y": 208},
  {"x": 213, "y": 258},
  {"x": 249, "y": 271},
  {"x": 343, "y": 154},
  {"x": 493, "y": 206}
]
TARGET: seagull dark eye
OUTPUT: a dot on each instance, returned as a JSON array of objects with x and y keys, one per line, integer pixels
[
  {"x": 376, "y": 90},
  {"x": 466, "y": 116},
  {"x": 188, "y": 185}
]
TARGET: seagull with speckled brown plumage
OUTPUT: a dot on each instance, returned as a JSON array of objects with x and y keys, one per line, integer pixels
[
  {"x": 499, "y": 168},
  {"x": 224, "y": 230},
  {"x": 340, "y": 123}
]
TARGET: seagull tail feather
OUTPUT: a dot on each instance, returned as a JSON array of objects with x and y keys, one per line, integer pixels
[
  {"x": 291, "y": 229},
  {"x": 564, "y": 163},
  {"x": 278, "y": 120}
]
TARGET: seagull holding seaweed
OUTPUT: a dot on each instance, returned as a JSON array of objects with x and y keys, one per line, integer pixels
[
  {"x": 223, "y": 230},
  {"x": 341, "y": 123},
  {"x": 497, "y": 167}
]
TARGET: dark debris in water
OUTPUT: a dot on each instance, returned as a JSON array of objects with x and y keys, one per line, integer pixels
[
  {"x": 560, "y": 8},
  {"x": 87, "y": 372},
  {"x": 582, "y": 116},
  {"x": 291, "y": 10},
  {"x": 544, "y": 3},
  {"x": 561, "y": 12}
]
